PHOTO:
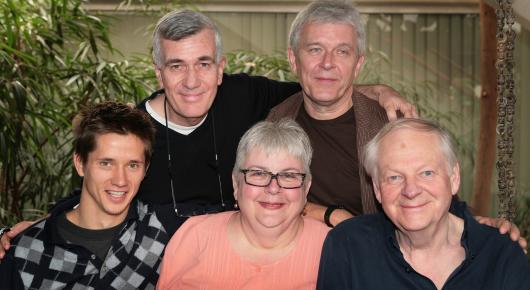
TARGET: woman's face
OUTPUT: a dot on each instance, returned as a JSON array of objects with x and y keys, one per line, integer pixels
[{"x": 270, "y": 206}]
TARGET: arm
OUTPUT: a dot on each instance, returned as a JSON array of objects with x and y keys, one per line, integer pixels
[
  {"x": 317, "y": 212},
  {"x": 180, "y": 255},
  {"x": 334, "y": 270},
  {"x": 505, "y": 227},
  {"x": 389, "y": 99}
]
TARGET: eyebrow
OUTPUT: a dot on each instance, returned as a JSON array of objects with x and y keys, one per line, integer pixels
[
  {"x": 206, "y": 57},
  {"x": 283, "y": 170},
  {"x": 178, "y": 60},
  {"x": 113, "y": 160},
  {"x": 339, "y": 45},
  {"x": 104, "y": 159}
]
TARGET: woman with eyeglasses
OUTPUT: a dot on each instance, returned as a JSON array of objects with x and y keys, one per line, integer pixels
[{"x": 267, "y": 244}]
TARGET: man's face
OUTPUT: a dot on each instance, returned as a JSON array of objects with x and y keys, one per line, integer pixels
[
  {"x": 414, "y": 185},
  {"x": 190, "y": 76},
  {"x": 112, "y": 175},
  {"x": 327, "y": 63}
]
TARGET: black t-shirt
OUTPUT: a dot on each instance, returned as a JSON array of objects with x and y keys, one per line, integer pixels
[
  {"x": 96, "y": 241},
  {"x": 241, "y": 101},
  {"x": 335, "y": 164}
]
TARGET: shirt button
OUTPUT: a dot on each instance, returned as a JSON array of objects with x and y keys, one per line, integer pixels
[
  {"x": 407, "y": 270},
  {"x": 93, "y": 257}
]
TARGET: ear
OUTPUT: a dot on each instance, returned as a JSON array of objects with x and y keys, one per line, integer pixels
[
  {"x": 158, "y": 73},
  {"x": 78, "y": 164},
  {"x": 455, "y": 179},
  {"x": 292, "y": 59},
  {"x": 220, "y": 70},
  {"x": 376, "y": 190},
  {"x": 359, "y": 66},
  {"x": 235, "y": 185}
]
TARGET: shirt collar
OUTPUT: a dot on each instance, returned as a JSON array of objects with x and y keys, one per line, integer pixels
[
  {"x": 472, "y": 234},
  {"x": 69, "y": 203}
]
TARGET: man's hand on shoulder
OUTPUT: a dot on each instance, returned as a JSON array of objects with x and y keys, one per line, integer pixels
[{"x": 390, "y": 100}]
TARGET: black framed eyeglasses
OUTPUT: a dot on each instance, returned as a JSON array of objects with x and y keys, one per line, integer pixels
[{"x": 262, "y": 178}]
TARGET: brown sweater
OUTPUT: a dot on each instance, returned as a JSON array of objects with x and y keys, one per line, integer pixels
[{"x": 369, "y": 119}]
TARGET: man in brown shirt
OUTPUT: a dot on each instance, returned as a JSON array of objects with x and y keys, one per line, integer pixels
[
  {"x": 326, "y": 50},
  {"x": 327, "y": 43}
]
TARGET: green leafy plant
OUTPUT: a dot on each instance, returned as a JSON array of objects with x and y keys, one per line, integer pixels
[
  {"x": 52, "y": 64},
  {"x": 273, "y": 66}
]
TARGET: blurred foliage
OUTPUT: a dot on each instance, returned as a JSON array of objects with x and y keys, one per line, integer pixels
[
  {"x": 51, "y": 59},
  {"x": 274, "y": 66}
]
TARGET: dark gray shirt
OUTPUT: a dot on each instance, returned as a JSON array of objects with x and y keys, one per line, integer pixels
[{"x": 363, "y": 253}]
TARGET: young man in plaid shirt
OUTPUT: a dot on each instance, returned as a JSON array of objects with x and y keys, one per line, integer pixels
[{"x": 102, "y": 238}]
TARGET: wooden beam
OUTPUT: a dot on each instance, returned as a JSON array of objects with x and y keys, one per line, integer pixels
[
  {"x": 293, "y": 6},
  {"x": 481, "y": 200}
]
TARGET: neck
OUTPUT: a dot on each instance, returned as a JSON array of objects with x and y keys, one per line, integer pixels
[
  {"x": 446, "y": 233},
  {"x": 264, "y": 238},
  {"x": 328, "y": 110},
  {"x": 157, "y": 104},
  {"x": 86, "y": 217}
]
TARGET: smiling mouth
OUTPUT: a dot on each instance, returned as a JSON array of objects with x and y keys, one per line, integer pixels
[
  {"x": 413, "y": 206},
  {"x": 116, "y": 194},
  {"x": 326, "y": 79},
  {"x": 271, "y": 205},
  {"x": 190, "y": 95}
]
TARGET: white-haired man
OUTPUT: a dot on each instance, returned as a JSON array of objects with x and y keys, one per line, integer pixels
[{"x": 417, "y": 242}]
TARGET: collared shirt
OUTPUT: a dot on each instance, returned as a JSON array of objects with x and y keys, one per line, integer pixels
[
  {"x": 363, "y": 253},
  {"x": 41, "y": 259}
]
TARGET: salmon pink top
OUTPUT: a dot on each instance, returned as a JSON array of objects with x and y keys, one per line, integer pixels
[{"x": 199, "y": 256}]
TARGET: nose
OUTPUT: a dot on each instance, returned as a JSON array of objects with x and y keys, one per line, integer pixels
[
  {"x": 273, "y": 187},
  {"x": 119, "y": 177},
  {"x": 327, "y": 60},
  {"x": 412, "y": 188},
  {"x": 191, "y": 79}
]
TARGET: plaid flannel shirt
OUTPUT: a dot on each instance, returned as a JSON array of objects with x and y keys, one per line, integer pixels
[{"x": 40, "y": 259}]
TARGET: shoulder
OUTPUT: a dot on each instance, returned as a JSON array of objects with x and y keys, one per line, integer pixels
[
  {"x": 35, "y": 231},
  {"x": 484, "y": 238},
  {"x": 149, "y": 219},
  {"x": 363, "y": 104},
  {"x": 142, "y": 103},
  {"x": 207, "y": 222},
  {"x": 358, "y": 229},
  {"x": 32, "y": 240},
  {"x": 203, "y": 226},
  {"x": 287, "y": 108},
  {"x": 199, "y": 231},
  {"x": 315, "y": 228}
]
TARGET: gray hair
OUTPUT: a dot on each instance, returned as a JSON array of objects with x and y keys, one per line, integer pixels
[
  {"x": 328, "y": 11},
  {"x": 446, "y": 145},
  {"x": 273, "y": 137},
  {"x": 179, "y": 24}
]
